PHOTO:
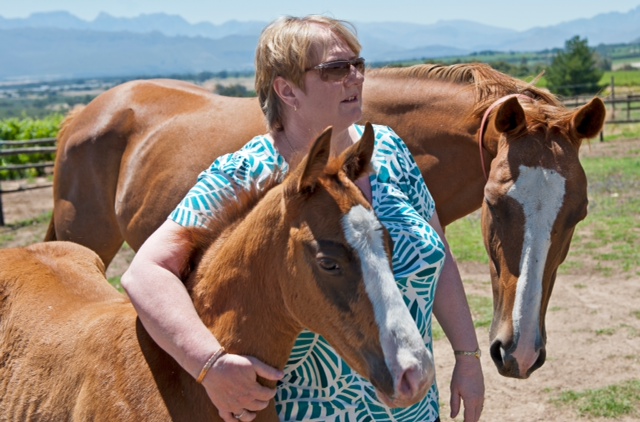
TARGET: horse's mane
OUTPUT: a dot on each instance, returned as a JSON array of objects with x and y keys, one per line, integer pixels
[
  {"x": 489, "y": 85},
  {"x": 232, "y": 211}
]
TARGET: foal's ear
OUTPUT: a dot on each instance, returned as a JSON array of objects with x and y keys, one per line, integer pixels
[
  {"x": 510, "y": 116},
  {"x": 356, "y": 158},
  {"x": 313, "y": 166}
]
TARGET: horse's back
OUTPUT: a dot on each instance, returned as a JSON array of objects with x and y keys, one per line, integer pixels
[
  {"x": 135, "y": 151},
  {"x": 45, "y": 283},
  {"x": 55, "y": 268},
  {"x": 139, "y": 116}
]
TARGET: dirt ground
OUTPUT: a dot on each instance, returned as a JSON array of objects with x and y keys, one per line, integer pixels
[{"x": 593, "y": 325}]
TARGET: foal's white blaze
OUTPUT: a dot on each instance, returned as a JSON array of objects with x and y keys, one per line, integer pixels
[
  {"x": 540, "y": 192},
  {"x": 403, "y": 346}
]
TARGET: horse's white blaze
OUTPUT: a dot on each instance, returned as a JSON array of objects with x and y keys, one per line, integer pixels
[
  {"x": 401, "y": 341},
  {"x": 540, "y": 192}
]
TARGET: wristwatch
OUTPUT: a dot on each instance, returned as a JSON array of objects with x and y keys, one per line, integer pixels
[{"x": 477, "y": 353}]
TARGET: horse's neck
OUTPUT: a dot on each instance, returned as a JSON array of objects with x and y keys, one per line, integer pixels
[
  {"x": 434, "y": 118},
  {"x": 237, "y": 291}
]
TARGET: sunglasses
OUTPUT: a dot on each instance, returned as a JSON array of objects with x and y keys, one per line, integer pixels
[{"x": 337, "y": 70}]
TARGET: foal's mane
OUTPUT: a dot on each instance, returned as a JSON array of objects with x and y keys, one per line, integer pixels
[
  {"x": 233, "y": 210},
  {"x": 489, "y": 85}
]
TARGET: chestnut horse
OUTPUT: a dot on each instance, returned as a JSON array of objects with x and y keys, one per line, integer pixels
[
  {"x": 126, "y": 160},
  {"x": 72, "y": 347}
]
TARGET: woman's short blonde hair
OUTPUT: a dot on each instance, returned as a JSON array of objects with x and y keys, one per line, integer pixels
[{"x": 287, "y": 47}]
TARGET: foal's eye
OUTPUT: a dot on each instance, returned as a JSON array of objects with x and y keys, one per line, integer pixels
[{"x": 328, "y": 264}]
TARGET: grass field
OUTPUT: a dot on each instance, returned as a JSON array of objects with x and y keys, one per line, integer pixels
[{"x": 627, "y": 78}]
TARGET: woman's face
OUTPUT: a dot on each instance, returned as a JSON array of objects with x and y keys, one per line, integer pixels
[{"x": 332, "y": 102}]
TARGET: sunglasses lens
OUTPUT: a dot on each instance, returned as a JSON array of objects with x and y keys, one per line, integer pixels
[
  {"x": 335, "y": 71},
  {"x": 338, "y": 70}
]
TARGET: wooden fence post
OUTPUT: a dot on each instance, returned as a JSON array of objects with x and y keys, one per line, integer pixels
[
  {"x": 613, "y": 98},
  {"x": 1, "y": 210}
]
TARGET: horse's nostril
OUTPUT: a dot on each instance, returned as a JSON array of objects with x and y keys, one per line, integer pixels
[
  {"x": 542, "y": 355},
  {"x": 496, "y": 353},
  {"x": 413, "y": 382},
  {"x": 509, "y": 366},
  {"x": 411, "y": 386},
  {"x": 406, "y": 385}
]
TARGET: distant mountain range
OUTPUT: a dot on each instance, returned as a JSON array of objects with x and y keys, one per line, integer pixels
[{"x": 61, "y": 45}]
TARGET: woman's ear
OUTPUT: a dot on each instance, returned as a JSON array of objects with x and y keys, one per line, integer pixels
[{"x": 286, "y": 91}]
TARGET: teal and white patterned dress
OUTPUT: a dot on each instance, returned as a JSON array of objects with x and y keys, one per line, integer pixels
[{"x": 318, "y": 385}]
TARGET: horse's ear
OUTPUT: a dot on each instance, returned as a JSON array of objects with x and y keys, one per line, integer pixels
[
  {"x": 510, "y": 116},
  {"x": 314, "y": 164},
  {"x": 356, "y": 158},
  {"x": 587, "y": 121}
]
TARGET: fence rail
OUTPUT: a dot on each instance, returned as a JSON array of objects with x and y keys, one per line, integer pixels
[
  {"x": 621, "y": 109},
  {"x": 29, "y": 147},
  {"x": 41, "y": 141},
  {"x": 18, "y": 151},
  {"x": 632, "y": 102},
  {"x": 44, "y": 165}
]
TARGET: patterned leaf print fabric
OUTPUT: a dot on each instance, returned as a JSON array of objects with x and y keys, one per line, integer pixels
[{"x": 318, "y": 385}]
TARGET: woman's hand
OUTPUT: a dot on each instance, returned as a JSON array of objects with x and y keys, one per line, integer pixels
[
  {"x": 232, "y": 385},
  {"x": 467, "y": 383}
]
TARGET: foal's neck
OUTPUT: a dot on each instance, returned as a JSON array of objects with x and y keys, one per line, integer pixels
[{"x": 237, "y": 292}]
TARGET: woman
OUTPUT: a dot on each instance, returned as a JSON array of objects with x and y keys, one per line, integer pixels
[{"x": 309, "y": 76}]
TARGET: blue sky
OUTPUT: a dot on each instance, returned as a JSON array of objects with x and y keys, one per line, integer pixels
[{"x": 503, "y": 13}]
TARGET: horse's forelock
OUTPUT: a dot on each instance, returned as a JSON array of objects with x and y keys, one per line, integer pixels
[
  {"x": 544, "y": 117},
  {"x": 334, "y": 166}
]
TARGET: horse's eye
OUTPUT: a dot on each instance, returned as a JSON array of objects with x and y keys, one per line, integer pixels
[
  {"x": 328, "y": 264},
  {"x": 498, "y": 212}
]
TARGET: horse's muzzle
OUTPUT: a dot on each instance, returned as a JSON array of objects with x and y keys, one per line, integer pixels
[
  {"x": 410, "y": 385},
  {"x": 508, "y": 365}
]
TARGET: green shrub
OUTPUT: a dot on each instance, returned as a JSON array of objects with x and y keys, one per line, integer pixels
[{"x": 21, "y": 129}]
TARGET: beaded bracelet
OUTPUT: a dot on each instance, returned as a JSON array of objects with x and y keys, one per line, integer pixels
[
  {"x": 214, "y": 357},
  {"x": 475, "y": 353}
]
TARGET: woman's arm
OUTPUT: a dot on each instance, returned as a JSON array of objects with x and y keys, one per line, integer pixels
[
  {"x": 452, "y": 311},
  {"x": 167, "y": 313}
]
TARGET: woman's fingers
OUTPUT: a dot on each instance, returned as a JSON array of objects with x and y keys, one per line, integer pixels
[
  {"x": 233, "y": 387},
  {"x": 266, "y": 371},
  {"x": 244, "y": 416}
]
